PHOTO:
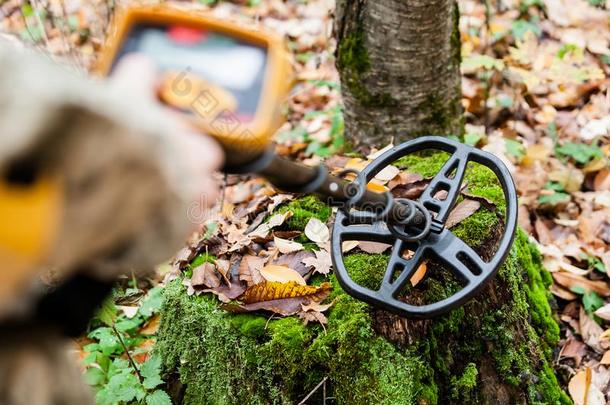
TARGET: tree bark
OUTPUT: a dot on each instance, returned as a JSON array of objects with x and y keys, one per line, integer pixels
[{"x": 399, "y": 66}]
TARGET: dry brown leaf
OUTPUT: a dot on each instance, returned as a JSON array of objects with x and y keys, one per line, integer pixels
[
  {"x": 287, "y": 246},
  {"x": 312, "y": 312},
  {"x": 544, "y": 234},
  {"x": 590, "y": 331},
  {"x": 295, "y": 261},
  {"x": 249, "y": 269},
  {"x": 583, "y": 392},
  {"x": 281, "y": 298},
  {"x": 227, "y": 293},
  {"x": 373, "y": 247},
  {"x": 321, "y": 263},
  {"x": 410, "y": 190},
  {"x": 605, "y": 358},
  {"x": 281, "y": 274},
  {"x": 563, "y": 293},
  {"x": 419, "y": 274},
  {"x": 206, "y": 276},
  {"x": 387, "y": 174},
  {"x": 313, "y": 316},
  {"x": 538, "y": 152},
  {"x": 602, "y": 180},
  {"x": 485, "y": 202},
  {"x": 570, "y": 280},
  {"x": 223, "y": 266},
  {"x": 574, "y": 349},
  {"x": 405, "y": 178},
  {"x": 317, "y": 231},
  {"x": 151, "y": 327},
  {"x": 462, "y": 211},
  {"x": 349, "y": 245},
  {"x": 263, "y": 230}
]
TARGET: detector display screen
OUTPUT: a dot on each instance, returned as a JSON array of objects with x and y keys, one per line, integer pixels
[{"x": 199, "y": 63}]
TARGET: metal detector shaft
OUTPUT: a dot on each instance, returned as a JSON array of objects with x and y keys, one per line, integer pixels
[{"x": 294, "y": 177}]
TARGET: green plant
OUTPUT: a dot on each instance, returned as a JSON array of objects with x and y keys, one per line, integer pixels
[
  {"x": 579, "y": 152},
  {"x": 111, "y": 368},
  {"x": 558, "y": 196}
]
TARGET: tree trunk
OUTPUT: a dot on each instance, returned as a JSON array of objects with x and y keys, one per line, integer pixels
[{"x": 399, "y": 64}]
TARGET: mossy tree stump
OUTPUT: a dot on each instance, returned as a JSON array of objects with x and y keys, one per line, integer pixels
[{"x": 496, "y": 349}]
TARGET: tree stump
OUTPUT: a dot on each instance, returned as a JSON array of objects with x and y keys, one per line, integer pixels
[{"x": 498, "y": 348}]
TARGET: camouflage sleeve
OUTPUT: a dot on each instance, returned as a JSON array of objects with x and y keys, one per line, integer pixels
[{"x": 125, "y": 181}]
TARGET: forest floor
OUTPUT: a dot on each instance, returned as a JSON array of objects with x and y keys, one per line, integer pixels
[{"x": 535, "y": 93}]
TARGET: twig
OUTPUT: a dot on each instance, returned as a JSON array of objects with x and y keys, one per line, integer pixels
[
  {"x": 133, "y": 363},
  {"x": 314, "y": 390}
]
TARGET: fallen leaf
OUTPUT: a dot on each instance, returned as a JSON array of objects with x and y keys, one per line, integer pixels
[
  {"x": 604, "y": 312},
  {"x": 227, "y": 293},
  {"x": 349, "y": 245},
  {"x": 376, "y": 154},
  {"x": 574, "y": 349},
  {"x": 373, "y": 247},
  {"x": 321, "y": 263},
  {"x": 312, "y": 316},
  {"x": 605, "y": 358},
  {"x": 205, "y": 275},
  {"x": 263, "y": 229},
  {"x": 419, "y": 274},
  {"x": 411, "y": 191},
  {"x": 387, "y": 173},
  {"x": 129, "y": 311},
  {"x": 570, "y": 281},
  {"x": 583, "y": 392},
  {"x": 280, "y": 298},
  {"x": 404, "y": 179},
  {"x": 295, "y": 261},
  {"x": 590, "y": 331},
  {"x": 223, "y": 267},
  {"x": 281, "y": 274},
  {"x": 313, "y": 313},
  {"x": 317, "y": 231},
  {"x": 602, "y": 180},
  {"x": 151, "y": 327},
  {"x": 249, "y": 269},
  {"x": 462, "y": 211},
  {"x": 485, "y": 202},
  {"x": 287, "y": 246},
  {"x": 562, "y": 293}
]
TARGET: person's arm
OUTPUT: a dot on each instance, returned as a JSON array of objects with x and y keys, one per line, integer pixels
[{"x": 127, "y": 171}]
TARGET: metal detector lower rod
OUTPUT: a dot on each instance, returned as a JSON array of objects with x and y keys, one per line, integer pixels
[{"x": 294, "y": 177}]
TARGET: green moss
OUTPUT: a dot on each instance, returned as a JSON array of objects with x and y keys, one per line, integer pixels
[
  {"x": 367, "y": 269},
  {"x": 303, "y": 209},
  {"x": 442, "y": 116},
  {"x": 463, "y": 386},
  {"x": 223, "y": 358},
  {"x": 481, "y": 182},
  {"x": 354, "y": 62}
]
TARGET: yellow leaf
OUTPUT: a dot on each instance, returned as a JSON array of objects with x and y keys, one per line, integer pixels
[
  {"x": 281, "y": 274},
  {"x": 376, "y": 187},
  {"x": 270, "y": 290},
  {"x": 419, "y": 274},
  {"x": 606, "y": 358}
]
